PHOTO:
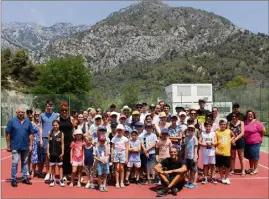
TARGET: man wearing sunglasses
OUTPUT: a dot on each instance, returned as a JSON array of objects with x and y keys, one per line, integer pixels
[
  {"x": 236, "y": 110},
  {"x": 46, "y": 120}
]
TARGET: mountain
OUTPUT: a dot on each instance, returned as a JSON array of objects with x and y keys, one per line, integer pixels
[
  {"x": 143, "y": 31},
  {"x": 33, "y": 37}
]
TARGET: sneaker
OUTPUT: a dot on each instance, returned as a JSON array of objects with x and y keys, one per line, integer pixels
[
  {"x": 52, "y": 184},
  {"x": 126, "y": 182},
  {"x": 61, "y": 182},
  {"x": 162, "y": 192},
  {"x": 92, "y": 186},
  {"x": 82, "y": 179},
  {"x": 204, "y": 181},
  {"x": 223, "y": 180},
  {"x": 101, "y": 188},
  {"x": 187, "y": 184},
  {"x": 192, "y": 186},
  {"x": 105, "y": 189},
  {"x": 174, "y": 191},
  {"x": 214, "y": 181},
  {"x": 65, "y": 178},
  {"x": 47, "y": 177},
  {"x": 228, "y": 181},
  {"x": 87, "y": 186},
  {"x": 158, "y": 183},
  {"x": 137, "y": 182}
]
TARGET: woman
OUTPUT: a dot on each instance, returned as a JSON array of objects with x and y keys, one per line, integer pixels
[
  {"x": 209, "y": 119},
  {"x": 84, "y": 126},
  {"x": 162, "y": 123},
  {"x": 37, "y": 143},
  {"x": 254, "y": 131},
  {"x": 149, "y": 120},
  {"x": 216, "y": 117},
  {"x": 193, "y": 116},
  {"x": 85, "y": 116},
  {"x": 106, "y": 122},
  {"x": 237, "y": 127},
  {"x": 66, "y": 126}
]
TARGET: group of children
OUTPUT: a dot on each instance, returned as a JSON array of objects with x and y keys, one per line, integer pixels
[{"x": 124, "y": 155}]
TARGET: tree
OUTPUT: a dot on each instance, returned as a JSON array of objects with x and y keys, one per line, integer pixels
[
  {"x": 131, "y": 94},
  {"x": 237, "y": 82},
  {"x": 6, "y": 57}
]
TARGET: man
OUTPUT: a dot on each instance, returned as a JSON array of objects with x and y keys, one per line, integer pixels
[
  {"x": 172, "y": 173},
  {"x": 166, "y": 109},
  {"x": 201, "y": 112},
  {"x": 161, "y": 103},
  {"x": 155, "y": 117},
  {"x": 236, "y": 109},
  {"x": 179, "y": 109},
  {"x": 126, "y": 111},
  {"x": 158, "y": 109},
  {"x": 144, "y": 111},
  {"x": 135, "y": 117},
  {"x": 19, "y": 140},
  {"x": 114, "y": 116},
  {"x": 46, "y": 120}
]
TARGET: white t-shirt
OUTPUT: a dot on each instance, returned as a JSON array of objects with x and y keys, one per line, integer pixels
[
  {"x": 208, "y": 137},
  {"x": 119, "y": 143},
  {"x": 147, "y": 139}
]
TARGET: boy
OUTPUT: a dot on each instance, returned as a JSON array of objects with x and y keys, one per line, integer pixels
[
  {"x": 191, "y": 156},
  {"x": 223, "y": 150},
  {"x": 101, "y": 155},
  {"x": 134, "y": 157},
  {"x": 208, "y": 141}
]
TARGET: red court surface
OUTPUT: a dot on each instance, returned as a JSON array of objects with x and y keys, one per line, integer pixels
[{"x": 255, "y": 186}]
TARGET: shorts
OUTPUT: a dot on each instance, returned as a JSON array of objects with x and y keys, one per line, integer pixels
[
  {"x": 209, "y": 160},
  {"x": 55, "y": 160},
  {"x": 191, "y": 165},
  {"x": 102, "y": 169},
  {"x": 223, "y": 161},
  {"x": 134, "y": 164},
  {"x": 77, "y": 164},
  {"x": 179, "y": 185},
  {"x": 119, "y": 157},
  {"x": 45, "y": 144},
  {"x": 252, "y": 151},
  {"x": 239, "y": 144}
]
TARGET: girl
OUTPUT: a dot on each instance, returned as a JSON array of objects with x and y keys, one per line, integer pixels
[
  {"x": 77, "y": 156},
  {"x": 37, "y": 143},
  {"x": 55, "y": 151},
  {"x": 119, "y": 154},
  {"x": 89, "y": 161},
  {"x": 84, "y": 126}
]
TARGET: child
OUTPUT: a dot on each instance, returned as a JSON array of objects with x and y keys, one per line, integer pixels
[
  {"x": 55, "y": 151},
  {"x": 223, "y": 150},
  {"x": 119, "y": 155},
  {"x": 191, "y": 156},
  {"x": 208, "y": 141},
  {"x": 101, "y": 155},
  {"x": 134, "y": 157},
  {"x": 163, "y": 148},
  {"x": 89, "y": 160},
  {"x": 77, "y": 156}
]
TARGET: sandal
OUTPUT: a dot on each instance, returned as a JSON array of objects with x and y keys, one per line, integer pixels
[
  {"x": 248, "y": 171},
  {"x": 232, "y": 172},
  {"x": 117, "y": 186},
  {"x": 243, "y": 174},
  {"x": 254, "y": 172},
  {"x": 122, "y": 185}
]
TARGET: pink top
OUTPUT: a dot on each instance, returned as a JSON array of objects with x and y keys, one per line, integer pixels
[
  {"x": 164, "y": 147},
  {"x": 253, "y": 132},
  {"x": 78, "y": 152}
]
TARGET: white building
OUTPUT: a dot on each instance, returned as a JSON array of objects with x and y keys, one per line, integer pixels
[
  {"x": 224, "y": 108},
  {"x": 187, "y": 95}
]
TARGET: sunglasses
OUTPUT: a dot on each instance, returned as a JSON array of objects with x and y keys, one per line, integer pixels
[
  {"x": 36, "y": 115},
  {"x": 193, "y": 113}
]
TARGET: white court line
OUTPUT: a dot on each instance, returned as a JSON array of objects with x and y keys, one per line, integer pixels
[
  {"x": 263, "y": 166},
  {"x": 6, "y": 157}
]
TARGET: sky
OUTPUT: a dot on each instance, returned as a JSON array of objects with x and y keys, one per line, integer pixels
[{"x": 251, "y": 15}]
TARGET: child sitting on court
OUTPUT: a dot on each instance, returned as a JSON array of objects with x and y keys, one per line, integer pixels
[
  {"x": 89, "y": 161},
  {"x": 77, "y": 156},
  {"x": 191, "y": 156},
  {"x": 55, "y": 151},
  {"x": 208, "y": 141},
  {"x": 101, "y": 155},
  {"x": 134, "y": 157}
]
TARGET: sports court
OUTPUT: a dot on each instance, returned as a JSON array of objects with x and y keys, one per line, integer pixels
[{"x": 255, "y": 186}]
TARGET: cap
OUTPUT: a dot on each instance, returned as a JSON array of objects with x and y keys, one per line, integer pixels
[
  {"x": 123, "y": 116},
  {"x": 113, "y": 113},
  {"x": 102, "y": 138},
  {"x": 98, "y": 116},
  {"x": 120, "y": 127},
  {"x": 152, "y": 106},
  {"x": 89, "y": 109},
  {"x": 182, "y": 113},
  {"x": 139, "y": 124},
  {"x": 162, "y": 114},
  {"x": 113, "y": 124},
  {"x": 78, "y": 132},
  {"x": 191, "y": 126},
  {"x": 126, "y": 108},
  {"x": 135, "y": 113},
  {"x": 164, "y": 130},
  {"x": 99, "y": 110},
  {"x": 101, "y": 128},
  {"x": 138, "y": 104},
  {"x": 236, "y": 105},
  {"x": 223, "y": 120}
]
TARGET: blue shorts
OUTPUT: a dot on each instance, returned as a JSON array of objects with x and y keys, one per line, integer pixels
[
  {"x": 45, "y": 144},
  {"x": 252, "y": 151},
  {"x": 102, "y": 169}
]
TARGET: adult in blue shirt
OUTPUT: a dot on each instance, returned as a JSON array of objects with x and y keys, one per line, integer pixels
[
  {"x": 19, "y": 141},
  {"x": 46, "y": 120}
]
